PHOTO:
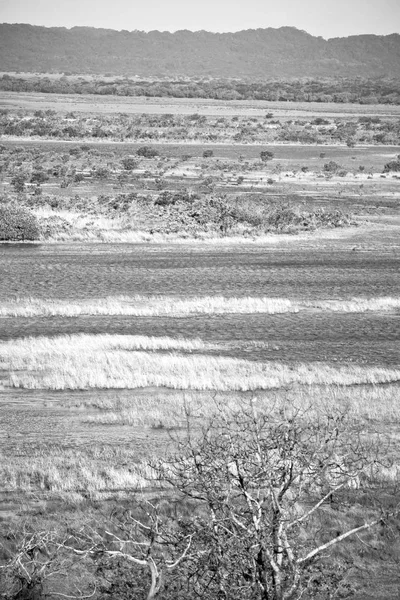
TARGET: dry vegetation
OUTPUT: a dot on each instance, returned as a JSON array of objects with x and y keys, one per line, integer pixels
[
  {"x": 161, "y": 177},
  {"x": 81, "y": 362}
]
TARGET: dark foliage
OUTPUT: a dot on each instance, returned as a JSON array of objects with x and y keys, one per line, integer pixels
[
  {"x": 17, "y": 224},
  {"x": 393, "y": 165},
  {"x": 333, "y": 89},
  {"x": 265, "y": 155},
  {"x": 129, "y": 163},
  {"x": 147, "y": 152}
]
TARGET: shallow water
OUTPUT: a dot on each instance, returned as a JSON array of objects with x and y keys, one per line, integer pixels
[
  {"x": 361, "y": 338},
  {"x": 82, "y": 271},
  {"x": 79, "y": 271}
]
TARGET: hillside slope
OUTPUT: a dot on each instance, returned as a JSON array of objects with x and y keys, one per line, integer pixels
[{"x": 260, "y": 53}]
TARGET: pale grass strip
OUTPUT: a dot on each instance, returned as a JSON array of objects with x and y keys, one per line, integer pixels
[
  {"x": 25, "y": 352},
  {"x": 171, "y": 306},
  {"x": 85, "y": 368}
]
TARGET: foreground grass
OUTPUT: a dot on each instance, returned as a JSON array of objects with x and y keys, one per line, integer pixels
[
  {"x": 74, "y": 473},
  {"x": 171, "y": 306},
  {"x": 100, "y": 471},
  {"x": 82, "y": 362}
]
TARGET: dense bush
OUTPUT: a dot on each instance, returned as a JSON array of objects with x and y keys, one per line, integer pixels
[
  {"x": 332, "y": 167},
  {"x": 265, "y": 155},
  {"x": 129, "y": 163},
  {"x": 393, "y": 165},
  {"x": 352, "y": 89},
  {"x": 147, "y": 152},
  {"x": 17, "y": 224}
]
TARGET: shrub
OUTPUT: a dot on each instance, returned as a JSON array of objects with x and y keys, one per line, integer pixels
[
  {"x": 129, "y": 163},
  {"x": 17, "y": 224},
  {"x": 18, "y": 181},
  {"x": 39, "y": 177},
  {"x": 147, "y": 152},
  {"x": 331, "y": 167},
  {"x": 102, "y": 173},
  {"x": 393, "y": 165},
  {"x": 265, "y": 155}
]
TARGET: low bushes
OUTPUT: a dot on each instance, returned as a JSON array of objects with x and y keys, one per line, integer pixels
[
  {"x": 393, "y": 165},
  {"x": 285, "y": 219},
  {"x": 17, "y": 224}
]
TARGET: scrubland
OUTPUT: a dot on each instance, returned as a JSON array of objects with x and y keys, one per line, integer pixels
[{"x": 153, "y": 177}]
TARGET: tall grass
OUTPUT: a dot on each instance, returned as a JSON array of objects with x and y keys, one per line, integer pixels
[
  {"x": 66, "y": 470},
  {"x": 171, "y": 306},
  {"x": 82, "y": 362}
]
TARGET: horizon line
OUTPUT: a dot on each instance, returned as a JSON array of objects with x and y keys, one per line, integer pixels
[{"x": 199, "y": 30}]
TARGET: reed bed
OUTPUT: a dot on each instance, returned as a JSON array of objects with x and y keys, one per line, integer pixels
[
  {"x": 83, "y": 362},
  {"x": 171, "y": 306}
]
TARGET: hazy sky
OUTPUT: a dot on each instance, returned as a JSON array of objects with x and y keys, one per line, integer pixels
[{"x": 328, "y": 18}]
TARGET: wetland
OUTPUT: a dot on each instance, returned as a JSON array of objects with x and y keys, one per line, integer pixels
[{"x": 144, "y": 295}]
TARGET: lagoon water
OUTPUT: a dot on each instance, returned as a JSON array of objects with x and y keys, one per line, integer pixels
[
  {"x": 78, "y": 271},
  {"x": 82, "y": 271}
]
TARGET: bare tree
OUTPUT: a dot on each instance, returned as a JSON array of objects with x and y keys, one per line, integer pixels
[
  {"x": 141, "y": 537},
  {"x": 262, "y": 484}
]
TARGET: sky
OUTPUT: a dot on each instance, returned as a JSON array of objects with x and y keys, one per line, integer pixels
[{"x": 326, "y": 18}]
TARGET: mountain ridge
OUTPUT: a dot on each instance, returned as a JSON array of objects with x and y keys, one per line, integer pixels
[{"x": 249, "y": 53}]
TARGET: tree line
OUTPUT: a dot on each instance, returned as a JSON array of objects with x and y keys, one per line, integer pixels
[{"x": 337, "y": 90}]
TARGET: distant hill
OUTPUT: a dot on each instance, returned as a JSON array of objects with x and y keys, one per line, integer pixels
[{"x": 254, "y": 53}]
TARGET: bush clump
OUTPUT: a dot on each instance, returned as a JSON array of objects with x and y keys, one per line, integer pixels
[
  {"x": 17, "y": 224},
  {"x": 147, "y": 152},
  {"x": 332, "y": 167},
  {"x": 393, "y": 165},
  {"x": 129, "y": 163}
]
